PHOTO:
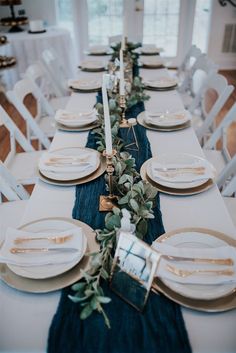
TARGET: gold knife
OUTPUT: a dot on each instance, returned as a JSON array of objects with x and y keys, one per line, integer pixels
[{"x": 44, "y": 250}]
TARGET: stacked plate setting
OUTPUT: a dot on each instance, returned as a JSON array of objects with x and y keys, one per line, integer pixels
[
  {"x": 99, "y": 50},
  {"x": 85, "y": 85},
  {"x": 165, "y": 121},
  {"x": 200, "y": 271},
  {"x": 47, "y": 254},
  {"x": 70, "y": 121},
  {"x": 179, "y": 174},
  {"x": 161, "y": 83},
  {"x": 70, "y": 166},
  {"x": 153, "y": 62},
  {"x": 150, "y": 49},
  {"x": 93, "y": 66}
]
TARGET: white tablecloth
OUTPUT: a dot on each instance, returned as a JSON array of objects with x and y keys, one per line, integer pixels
[
  {"x": 25, "y": 318},
  {"x": 27, "y": 48}
]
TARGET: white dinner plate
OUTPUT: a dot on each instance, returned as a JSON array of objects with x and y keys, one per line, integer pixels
[
  {"x": 178, "y": 159},
  {"x": 70, "y": 175},
  {"x": 85, "y": 84},
  {"x": 92, "y": 65},
  {"x": 47, "y": 271},
  {"x": 167, "y": 119},
  {"x": 196, "y": 239}
]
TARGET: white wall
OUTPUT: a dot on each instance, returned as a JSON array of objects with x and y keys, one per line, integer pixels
[{"x": 220, "y": 17}]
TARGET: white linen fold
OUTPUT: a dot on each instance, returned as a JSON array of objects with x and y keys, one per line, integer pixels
[
  {"x": 222, "y": 252},
  {"x": 61, "y": 163},
  {"x": 181, "y": 173},
  {"x": 77, "y": 242}
]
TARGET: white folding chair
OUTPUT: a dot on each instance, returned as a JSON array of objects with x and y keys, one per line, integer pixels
[
  {"x": 40, "y": 78},
  {"x": 220, "y": 158},
  {"x": 208, "y": 103},
  {"x": 56, "y": 71},
  {"x": 227, "y": 183},
  {"x": 196, "y": 78},
  {"x": 23, "y": 165},
  {"x": 12, "y": 211},
  {"x": 190, "y": 58},
  {"x": 40, "y": 127}
]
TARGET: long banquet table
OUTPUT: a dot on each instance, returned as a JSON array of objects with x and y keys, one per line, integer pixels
[{"x": 25, "y": 318}]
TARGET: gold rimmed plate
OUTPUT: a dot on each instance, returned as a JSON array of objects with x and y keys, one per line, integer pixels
[
  {"x": 58, "y": 282},
  {"x": 222, "y": 303},
  {"x": 174, "y": 191},
  {"x": 141, "y": 121}
]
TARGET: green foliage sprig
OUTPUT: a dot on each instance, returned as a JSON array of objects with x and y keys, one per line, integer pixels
[{"x": 129, "y": 51}]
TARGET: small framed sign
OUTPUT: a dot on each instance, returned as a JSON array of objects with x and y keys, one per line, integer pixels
[{"x": 133, "y": 270}]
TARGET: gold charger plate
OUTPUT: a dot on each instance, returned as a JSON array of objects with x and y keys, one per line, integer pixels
[
  {"x": 57, "y": 282},
  {"x": 101, "y": 169},
  {"x": 141, "y": 121},
  {"x": 225, "y": 303},
  {"x": 161, "y": 89},
  {"x": 77, "y": 129},
  {"x": 172, "y": 191},
  {"x": 89, "y": 90}
]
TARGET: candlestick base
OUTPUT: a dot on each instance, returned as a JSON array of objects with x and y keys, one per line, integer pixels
[
  {"x": 124, "y": 123},
  {"x": 106, "y": 203}
]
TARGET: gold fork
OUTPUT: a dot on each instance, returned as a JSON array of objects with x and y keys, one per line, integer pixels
[
  {"x": 171, "y": 174},
  {"x": 186, "y": 273},
  {"x": 56, "y": 239}
]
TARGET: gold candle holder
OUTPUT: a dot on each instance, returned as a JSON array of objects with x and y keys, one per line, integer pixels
[
  {"x": 124, "y": 121},
  {"x": 106, "y": 203}
]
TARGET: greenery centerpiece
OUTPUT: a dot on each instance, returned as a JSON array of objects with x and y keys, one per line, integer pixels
[{"x": 134, "y": 194}]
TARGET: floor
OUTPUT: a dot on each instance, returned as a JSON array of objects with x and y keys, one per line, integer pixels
[{"x": 5, "y": 139}]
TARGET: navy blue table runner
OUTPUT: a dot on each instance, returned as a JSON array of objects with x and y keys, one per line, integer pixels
[{"x": 159, "y": 329}]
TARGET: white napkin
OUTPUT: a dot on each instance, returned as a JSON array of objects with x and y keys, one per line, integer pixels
[
  {"x": 223, "y": 252},
  {"x": 78, "y": 242},
  {"x": 162, "y": 172},
  {"x": 161, "y": 82},
  {"x": 167, "y": 119},
  {"x": 75, "y": 119},
  {"x": 68, "y": 164},
  {"x": 84, "y": 84}
]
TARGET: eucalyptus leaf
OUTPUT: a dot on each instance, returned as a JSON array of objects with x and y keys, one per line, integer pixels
[{"x": 86, "y": 312}]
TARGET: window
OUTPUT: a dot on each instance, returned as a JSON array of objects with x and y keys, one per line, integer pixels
[
  {"x": 161, "y": 23},
  {"x": 65, "y": 17},
  {"x": 104, "y": 19},
  {"x": 201, "y": 24}
]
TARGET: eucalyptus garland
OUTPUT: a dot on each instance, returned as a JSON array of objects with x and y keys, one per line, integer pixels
[
  {"x": 134, "y": 194},
  {"x": 130, "y": 51}
]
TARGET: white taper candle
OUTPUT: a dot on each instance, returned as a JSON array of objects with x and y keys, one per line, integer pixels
[
  {"x": 122, "y": 81},
  {"x": 108, "y": 136}
]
